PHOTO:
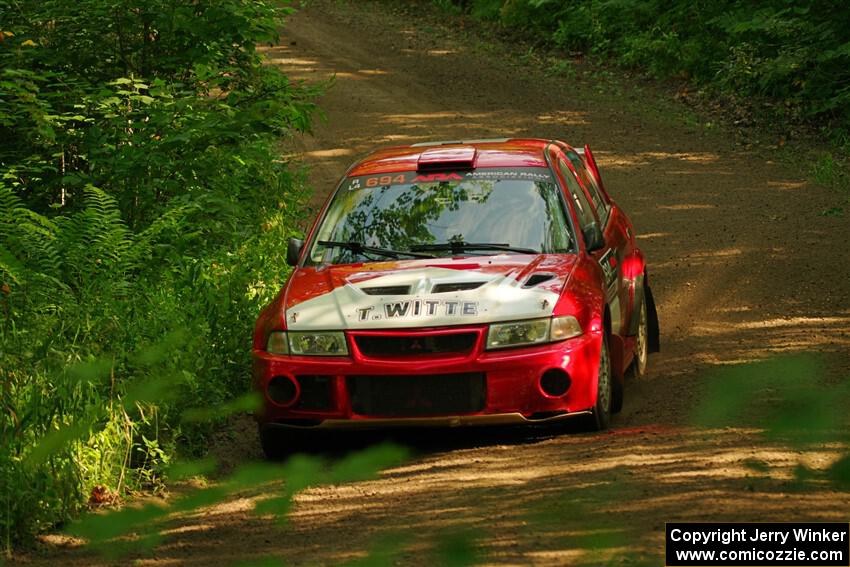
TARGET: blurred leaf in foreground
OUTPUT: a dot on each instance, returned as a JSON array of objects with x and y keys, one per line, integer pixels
[
  {"x": 385, "y": 551},
  {"x": 262, "y": 562},
  {"x": 785, "y": 396},
  {"x": 243, "y": 404},
  {"x": 458, "y": 548},
  {"x": 108, "y": 532},
  {"x": 839, "y": 472}
]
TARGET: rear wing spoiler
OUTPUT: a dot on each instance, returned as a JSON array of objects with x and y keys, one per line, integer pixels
[{"x": 587, "y": 155}]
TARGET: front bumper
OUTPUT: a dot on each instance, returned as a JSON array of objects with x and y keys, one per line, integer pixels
[{"x": 512, "y": 384}]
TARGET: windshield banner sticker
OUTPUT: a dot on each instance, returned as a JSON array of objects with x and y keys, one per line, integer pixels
[
  {"x": 529, "y": 174},
  {"x": 540, "y": 174}
]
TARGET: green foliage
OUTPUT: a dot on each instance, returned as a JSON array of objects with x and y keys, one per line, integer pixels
[
  {"x": 143, "y": 220},
  {"x": 102, "y": 531},
  {"x": 796, "y": 55},
  {"x": 789, "y": 401},
  {"x": 784, "y": 396},
  {"x": 457, "y": 548},
  {"x": 448, "y": 6}
]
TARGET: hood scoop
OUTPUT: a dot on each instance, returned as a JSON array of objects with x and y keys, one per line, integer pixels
[
  {"x": 387, "y": 290},
  {"x": 457, "y": 286},
  {"x": 537, "y": 279},
  {"x": 448, "y": 287}
]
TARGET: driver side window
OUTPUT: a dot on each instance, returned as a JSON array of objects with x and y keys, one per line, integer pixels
[
  {"x": 590, "y": 184},
  {"x": 583, "y": 208}
]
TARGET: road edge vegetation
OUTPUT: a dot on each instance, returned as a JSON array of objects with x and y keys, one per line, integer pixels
[
  {"x": 781, "y": 70},
  {"x": 143, "y": 215}
]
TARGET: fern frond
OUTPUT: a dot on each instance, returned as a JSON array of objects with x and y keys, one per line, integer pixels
[
  {"x": 28, "y": 236},
  {"x": 95, "y": 244},
  {"x": 10, "y": 266}
]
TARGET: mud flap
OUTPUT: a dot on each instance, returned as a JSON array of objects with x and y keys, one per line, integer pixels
[
  {"x": 617, "y": 396},
  {"x": 616, "y": 352},
  {"x": 654, "y": 331},
  {"x": 654, "y": 342}
]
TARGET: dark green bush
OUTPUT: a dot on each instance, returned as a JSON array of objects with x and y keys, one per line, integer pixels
[{"x": 143, "y": 220}]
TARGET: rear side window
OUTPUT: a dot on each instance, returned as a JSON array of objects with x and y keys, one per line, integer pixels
[
  {"x": 589, "y": 182},
  {"x": 584, "y": 209}
]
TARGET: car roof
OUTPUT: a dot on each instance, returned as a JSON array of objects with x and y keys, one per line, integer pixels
[{"x": 498, "y": 152}]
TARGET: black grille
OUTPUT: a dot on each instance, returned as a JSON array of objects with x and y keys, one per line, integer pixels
[
  {"x": 316, "y": 393},
  {"x": 400, "y": 345},
  {"x": 417, "y": 395}
]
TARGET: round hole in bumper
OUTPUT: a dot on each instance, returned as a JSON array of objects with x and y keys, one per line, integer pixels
[
  {"x": 283, "y": 391},
  {"x": 555, "y": 382}
]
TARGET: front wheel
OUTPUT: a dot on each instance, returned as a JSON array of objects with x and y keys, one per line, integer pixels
[{"x": 600, "y": 417}]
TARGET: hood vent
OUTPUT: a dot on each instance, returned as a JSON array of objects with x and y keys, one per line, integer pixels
[
  {"x": 459, "y": 286},
  {"x": 387, "y": 290},
  {"x": 537, "y": 279}
]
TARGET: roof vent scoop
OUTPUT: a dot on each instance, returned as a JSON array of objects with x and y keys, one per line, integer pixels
[{"x": 446, "y": 159}]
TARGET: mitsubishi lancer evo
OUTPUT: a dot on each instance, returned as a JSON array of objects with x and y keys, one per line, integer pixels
[{"x": 463, "y": 283}]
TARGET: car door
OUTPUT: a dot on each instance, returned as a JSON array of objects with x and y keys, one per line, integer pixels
[
  {"x": 617, "y": 230},
  {"x": 591, "y": 206}
]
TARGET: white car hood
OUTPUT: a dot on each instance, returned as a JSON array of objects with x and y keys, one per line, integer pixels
[{"x": 353, "y": 302}]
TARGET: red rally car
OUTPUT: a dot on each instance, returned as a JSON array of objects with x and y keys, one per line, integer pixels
[{"x": 457, "y": 283}]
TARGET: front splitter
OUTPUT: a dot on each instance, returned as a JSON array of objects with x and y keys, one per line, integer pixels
[{"x": 440, "y": 421}]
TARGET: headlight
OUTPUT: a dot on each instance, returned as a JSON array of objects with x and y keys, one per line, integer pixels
[
  {"x": 532, "y": 332},
  {"x": 318, "y": 343},
  {"x": 277, "y": 343},
  {"x": 520, "y": 333}
]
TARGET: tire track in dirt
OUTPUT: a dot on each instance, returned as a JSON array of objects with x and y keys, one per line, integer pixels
[{"x": 741, "y": 264}]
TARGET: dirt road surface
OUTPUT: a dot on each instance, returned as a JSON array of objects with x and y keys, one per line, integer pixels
[{"x": 742, "y": 265}]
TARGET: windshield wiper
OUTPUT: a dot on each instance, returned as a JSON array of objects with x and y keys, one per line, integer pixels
[
  {"x": 458, "y": 247},
  {"x": 360, "y": 248}
]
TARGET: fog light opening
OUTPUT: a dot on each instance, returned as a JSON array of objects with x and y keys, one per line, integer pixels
[
  {"x": 555, "y": 383},
  {"x": 283, "y": 390}
]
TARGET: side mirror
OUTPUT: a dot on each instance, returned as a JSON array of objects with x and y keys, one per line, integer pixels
[
  {"x": 293, "y": 251},
  {"x": 593, "y": 238}
]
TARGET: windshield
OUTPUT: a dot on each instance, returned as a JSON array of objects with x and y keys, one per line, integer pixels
[{"x": 517, "y": 208}]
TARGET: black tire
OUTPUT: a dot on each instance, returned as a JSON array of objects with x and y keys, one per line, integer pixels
[
  {"x": 600, "y": 418},
  {"x": 640, "y": 364},
  {"x": 278, "y": 444}
]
